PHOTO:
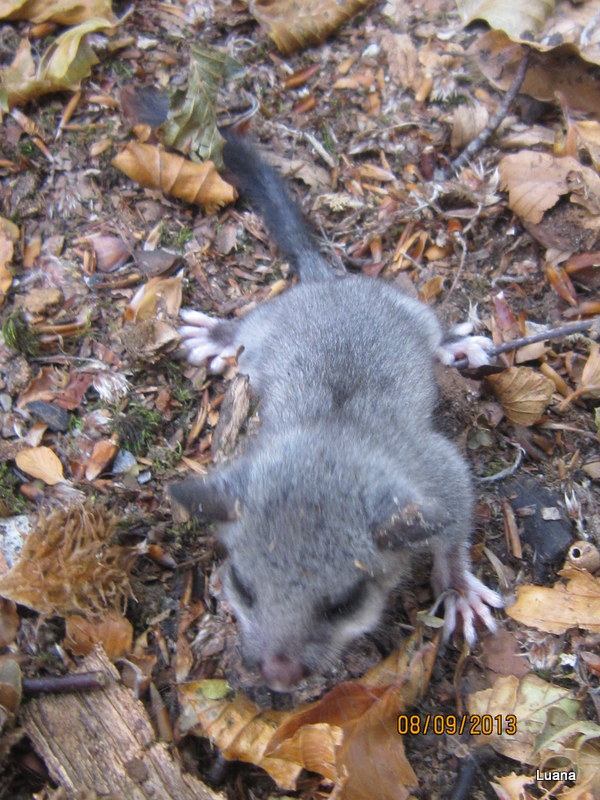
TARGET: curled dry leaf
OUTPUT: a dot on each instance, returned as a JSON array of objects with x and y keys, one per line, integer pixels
[
  {"x": 68, "y": 566},
  {"x": 523, "y": 393},
  {"x": 293, "y": 25},
  {"x": 113, "y": 631},
  {"x": 530, "y": 702},
  {"x": 42, "y": 463},
  {"x": 158, "y": 291},
  {"x": 64, "y": 12},
  {"x": 555, "y": 609},
  {"x": 154, "y": 168},
  {"x": 67, "y": 61}
]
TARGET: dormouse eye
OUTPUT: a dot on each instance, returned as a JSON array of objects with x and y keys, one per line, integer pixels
[
  {"x": 242, "y": 590},
  {"x": 347, "y": 604}
]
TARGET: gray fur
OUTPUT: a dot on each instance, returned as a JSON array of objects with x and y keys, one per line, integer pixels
[{"x": 347, "y": 477}]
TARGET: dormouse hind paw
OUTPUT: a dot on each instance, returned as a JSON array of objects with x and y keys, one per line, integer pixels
[
  {"x": 207, "y": 340},
  {"x": 472, "y": 602},
  {"x": 459, "y": 343}
]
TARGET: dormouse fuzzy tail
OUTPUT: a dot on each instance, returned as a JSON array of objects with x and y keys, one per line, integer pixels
[{"x": 284, "y": 220}]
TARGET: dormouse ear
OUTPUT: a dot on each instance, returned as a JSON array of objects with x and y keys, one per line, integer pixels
[
  {"x": 409, "y": 525},
  {"x": 209, "y": 499}
]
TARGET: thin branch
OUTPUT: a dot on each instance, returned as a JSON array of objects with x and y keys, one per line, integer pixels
[
  {"x": 73, "y": 682},
  {"x": 551, "y": 333},
  {"x": 480, "y": 140}
]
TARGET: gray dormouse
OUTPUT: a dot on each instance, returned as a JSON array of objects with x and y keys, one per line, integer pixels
[{"x": 347, "y": 478}]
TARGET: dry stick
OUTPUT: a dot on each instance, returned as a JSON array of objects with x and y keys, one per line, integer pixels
[
  {"x": 551, "y": 333},
  {"x": 73, "y": 682},
  {"x": 478, "y": 142}
]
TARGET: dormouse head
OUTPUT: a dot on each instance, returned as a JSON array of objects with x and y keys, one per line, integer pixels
[{"x": 309, "y": 565}]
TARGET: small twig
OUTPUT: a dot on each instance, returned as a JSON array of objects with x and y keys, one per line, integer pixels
[
  {"x": 77, "y": 682},
  {"x": 480, "y": 140},
  {"x": 551, "y": 333}
]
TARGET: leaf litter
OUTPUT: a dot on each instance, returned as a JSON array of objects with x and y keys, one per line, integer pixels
[{"x": 94, "y": 269}]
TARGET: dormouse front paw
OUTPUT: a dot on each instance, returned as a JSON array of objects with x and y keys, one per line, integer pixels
[
  {"x": 207, "y": 339},
  {"x": 459, "y": 343},
  {"x": 472, "y": 601}
]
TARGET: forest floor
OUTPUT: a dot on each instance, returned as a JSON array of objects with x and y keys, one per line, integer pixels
[{"x": 96, "y": 408}]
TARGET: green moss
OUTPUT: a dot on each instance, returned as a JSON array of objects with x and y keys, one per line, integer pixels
[
  {"x": 9, "y": 488},
  {"x": 137, "y": 428},
  {"x": 19, "y": 336}
]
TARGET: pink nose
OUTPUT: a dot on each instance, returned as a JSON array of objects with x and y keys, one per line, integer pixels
[{"x": 281, "y": 672}]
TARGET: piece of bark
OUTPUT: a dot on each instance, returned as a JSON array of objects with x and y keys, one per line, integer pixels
[
  {"x": 102, "y": 744},
  {"x": 232, "y": 417}
]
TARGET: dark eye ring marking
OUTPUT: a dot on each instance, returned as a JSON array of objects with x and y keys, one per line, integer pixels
[
  {"x": 347, "y": 604},
  {"x": 244, "y": 593}
]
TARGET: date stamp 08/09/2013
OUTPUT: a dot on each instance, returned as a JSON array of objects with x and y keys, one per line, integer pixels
[{"x": 451, "y": 724}]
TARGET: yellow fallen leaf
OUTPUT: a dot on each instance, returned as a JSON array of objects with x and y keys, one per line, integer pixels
[
  {"x": 555, "y": 609},
  {"x": 65, "y": 12},
  {"x": 523, "y": 392},
  {"x": 42, "y": 463},
  {"x": 67, "y": 61},
  {"x": 293, "y": 25},
  {"x": 155, "y": 168}
]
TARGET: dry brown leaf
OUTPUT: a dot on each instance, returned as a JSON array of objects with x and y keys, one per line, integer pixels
[
  {"x": 39, "y": 301},
  {"x": 535, "y": 181},
  {"x": 552, "y": 70},
  {"x": 294, "y": 25},
  {"x": 523, "y": 393},
  {"x": 516, "y": 17},
  {"x": 512, "y": 787},
  {"x": 154, "y": 168},
  {"x": 239, "y": 728},
  {"x": 404, "y": 68},
  {"x": 164, "y": 291},
  {"x": 9, "y": 622},
  {"x": 67, "y": 565},
  {"x": 103, "y": 453},
  {"x": 65, "y": 12},
  {"x": 41, "y": 463},
  {"x": 9, "y": 234},
  {"x": 349, "y": 736},
  {"x": 67, "y": 61},
  {"x": 467, "y": 122},
  {"x": 113, "y": 631},
  {"x": 561, "y": 283},
  {"x": 555, "y": 609},
  {"x": 521, "y": 708}
]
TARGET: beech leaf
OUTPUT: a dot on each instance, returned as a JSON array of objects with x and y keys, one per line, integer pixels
[
  {"x": 154, "y": 168},
  {"x": 41, "y": 462},
  {"x": 523, "y": 393}
]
